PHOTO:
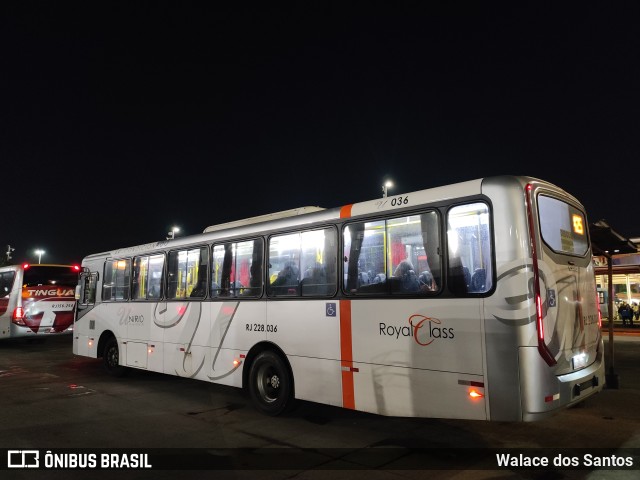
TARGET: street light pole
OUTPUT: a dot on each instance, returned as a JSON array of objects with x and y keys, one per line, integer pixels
[
  {"x": 388, "y": 184},
  {"x": 172, "y": 234},
  {"x": 39, "y": 253},
  {"x": 9, "y": 250}
]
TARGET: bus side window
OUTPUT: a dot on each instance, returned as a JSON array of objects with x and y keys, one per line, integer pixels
[
  {"x": 108, "y": 281},
  {"x": 255, "y": 269},
  {"x": 395, "y": 256},
  {"x": 248, "y": 268},
  {"x": 318, "y": 259},
  {"x": 122, "y": 279},
  {"x": 172, "y": 275},
  {"x": 222, "y": 269},
  {"x": 284, "y": 265},
  {"x": 186, "y": 273},
  {"x": 459, "y": 276},
  {"x": 117, "y": 276},
  {"x": 365, "y": 258},
  {"x": 92, "y": 282},
  {"x": 469, "y": 249},
  {"x": 139, "y": 277},
  {"x": 154, "y": 280},
  {"x": 201, "y": 273},
  {"x": 6, "y": 283}
]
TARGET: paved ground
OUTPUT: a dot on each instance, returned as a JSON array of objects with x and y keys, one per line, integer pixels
[{"x": 51, "y": 399}]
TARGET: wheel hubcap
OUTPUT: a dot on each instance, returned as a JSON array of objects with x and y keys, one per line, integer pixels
[{"x": 269, "y": 384}]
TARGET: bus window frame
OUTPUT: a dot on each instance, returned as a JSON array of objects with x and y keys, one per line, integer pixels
[
  {"x": 550, "y": 250},
  {"x": 129, "y": 283},
  {"x": 234, "y": 242},
  {"x": 165, "y": 273},
  {"x": 335, "y": 288},
  {"x": 390, "y": 215},
  {"x": 492, "y": 240}
]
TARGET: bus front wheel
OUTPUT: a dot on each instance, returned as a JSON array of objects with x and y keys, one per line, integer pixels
[
  {"x": 111, "y": 358},
  {"x": 270, "y": 384}
]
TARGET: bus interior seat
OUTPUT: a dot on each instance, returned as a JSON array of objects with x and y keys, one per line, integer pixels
[
  {"x": 467, "y": 277},
  {"x": 379, "y": 278},
  {"x": 478, "y": 280},
  {"x": 363, "y": 278}
]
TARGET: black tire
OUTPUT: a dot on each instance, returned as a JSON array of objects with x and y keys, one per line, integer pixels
[
  {"x": 271, "y": 384},
  {"x": 111, "y": 358}
]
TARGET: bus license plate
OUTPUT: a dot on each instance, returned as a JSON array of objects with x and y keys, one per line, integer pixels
[{"x": 579, "y": 361}]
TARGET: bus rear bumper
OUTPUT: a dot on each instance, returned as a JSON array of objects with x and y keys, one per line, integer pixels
[
  {"x": 546, "y": 394},
  {"x": 18, "y": 331}
]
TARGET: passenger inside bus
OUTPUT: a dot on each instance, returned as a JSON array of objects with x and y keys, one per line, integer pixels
[
  {"x": 314, "y": 281},
  {"x": 408, "y": 279},
  {"x": 286, "y": 283}
]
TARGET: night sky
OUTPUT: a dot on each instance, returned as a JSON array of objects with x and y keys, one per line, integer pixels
[{"x": 119, "y": 120}]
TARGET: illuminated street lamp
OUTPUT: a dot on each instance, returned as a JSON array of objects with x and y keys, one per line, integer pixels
[
  {"x": 172, "y": 234},
  {"x": 39, "y": 253},
  {"x": 388, "y": 184}
]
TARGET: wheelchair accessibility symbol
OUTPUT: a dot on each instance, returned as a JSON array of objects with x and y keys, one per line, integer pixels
[
  {"x": 331, "y": 309},
  {"x": 551, "y": 297}
]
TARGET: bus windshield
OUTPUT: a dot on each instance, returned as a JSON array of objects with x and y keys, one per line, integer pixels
[{"x": 36, "y": 275}]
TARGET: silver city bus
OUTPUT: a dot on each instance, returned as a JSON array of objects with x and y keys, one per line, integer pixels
[{"x": 475, "y": 300}]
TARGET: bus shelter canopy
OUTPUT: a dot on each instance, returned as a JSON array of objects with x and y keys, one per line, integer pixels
[{"x": 606, "y": 241}]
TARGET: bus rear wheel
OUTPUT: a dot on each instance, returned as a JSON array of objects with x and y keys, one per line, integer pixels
[
  {"x": 270, "y": 384},
  {"x": 111, "y": 358}
]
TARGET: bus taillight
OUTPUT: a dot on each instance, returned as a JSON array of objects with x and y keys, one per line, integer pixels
[
  {"x": 540, "y": 318},
  {"x": 17, "y": 316},
  {"x": 545, "y": 353}
]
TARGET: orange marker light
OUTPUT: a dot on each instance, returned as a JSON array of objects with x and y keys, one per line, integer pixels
[{"x": 473, "y": 393}]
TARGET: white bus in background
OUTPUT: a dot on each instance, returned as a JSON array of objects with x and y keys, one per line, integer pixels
[
  {"x": 37, "y": 300},
  {"x": 475, "y": 301}
]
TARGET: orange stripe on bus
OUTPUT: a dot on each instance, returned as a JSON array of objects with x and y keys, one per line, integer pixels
[
  {"x": 345, "y": 212},
  {"x": 346, "y": 352}
]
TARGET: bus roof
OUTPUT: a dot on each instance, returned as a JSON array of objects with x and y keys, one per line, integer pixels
[
  {"x": 262, "y": 218},
  {"x": 313, "y": 214}
]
